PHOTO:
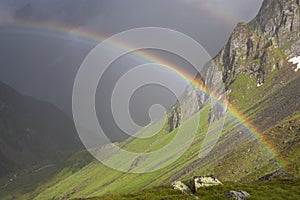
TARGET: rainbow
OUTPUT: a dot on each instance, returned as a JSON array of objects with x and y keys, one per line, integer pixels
[
  {"x": 54, "y": 30},
  {"x": 91, "y": 38}
]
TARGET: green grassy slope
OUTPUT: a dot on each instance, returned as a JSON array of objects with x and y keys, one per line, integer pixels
[
  {"x": 275, "y": 189},
  {"x": 14, "y": 186},
  {"x": 238, "y": 156}
]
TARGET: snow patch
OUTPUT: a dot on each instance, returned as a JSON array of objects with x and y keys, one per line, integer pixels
[
  {"x": 259, "y": 84},
  {"x": 295, "y": 60}
]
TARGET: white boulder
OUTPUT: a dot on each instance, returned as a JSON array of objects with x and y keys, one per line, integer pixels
[
  {"x": 205, "y": 181},
  {"x": 178, "y": 185}
]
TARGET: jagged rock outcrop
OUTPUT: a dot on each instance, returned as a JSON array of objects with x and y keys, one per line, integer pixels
[
  {"x": 280, "y": 19},
  {"x": 175, "y": 120},
  {"x": 260, "y": 46},
  {"x": 245, "y": 52},
  {"x": 193, "y": 100},
  {"x": 255, "y": 49}
]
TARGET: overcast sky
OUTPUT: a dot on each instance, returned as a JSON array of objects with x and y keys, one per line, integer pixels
[{"x": 42, "y": 62}]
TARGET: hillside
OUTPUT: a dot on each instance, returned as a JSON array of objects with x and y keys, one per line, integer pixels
[
  {"x": 34, "y": 135},
  {"x": 261, "y": 132}
]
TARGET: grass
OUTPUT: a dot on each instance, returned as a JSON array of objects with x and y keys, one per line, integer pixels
[
  {"x": 277, "y": 189},
  {"x": 24, "y": 183},
  {"x": 236, "y": 157},
  {"x": 53, "y": 175},
  {"x": 96, "y": 179}
]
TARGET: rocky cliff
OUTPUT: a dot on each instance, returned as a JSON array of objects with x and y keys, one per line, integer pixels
[
  {"x": 280, "y": 20},
  {"x": 255, "y": 49}
]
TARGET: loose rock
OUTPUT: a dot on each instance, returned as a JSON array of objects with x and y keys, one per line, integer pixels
[
  {"x": 206, "y": 181},
  {"x": 178, "y": 185},
  {"x": 275, "y": 174},
  {"x": 238, "y": 195}
]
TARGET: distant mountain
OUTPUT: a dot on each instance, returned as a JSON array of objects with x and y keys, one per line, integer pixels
[{"x": 32, "y": 132}]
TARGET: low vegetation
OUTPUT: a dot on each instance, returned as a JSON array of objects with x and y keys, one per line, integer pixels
[{"x": 273, "y": 189}]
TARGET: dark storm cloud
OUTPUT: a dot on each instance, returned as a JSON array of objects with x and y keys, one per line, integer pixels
[
  {"x": 72, "y": 13},
  {"x": 209, "y": 22}
]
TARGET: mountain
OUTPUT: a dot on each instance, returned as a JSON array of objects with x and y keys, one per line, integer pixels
[
  {"x": 262, "y": 137},
  {"x": 32, "y": 132},
  {"x": 259, "y": 50}
]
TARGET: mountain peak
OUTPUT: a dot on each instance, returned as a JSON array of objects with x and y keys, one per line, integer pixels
[{"x": 279, "y": 19}]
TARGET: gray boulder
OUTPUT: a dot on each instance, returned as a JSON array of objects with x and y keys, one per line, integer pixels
[
  {"x": 205, "y": 181},
  {"x": 275, "y": 174},
  {"x": 238, "y": 195},
  {"x": 178, "y": 185}
]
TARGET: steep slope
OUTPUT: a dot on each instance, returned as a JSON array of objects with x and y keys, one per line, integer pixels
[
  {"x": 32, "y": 132},
  {"x": 263, "y": 137}
]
